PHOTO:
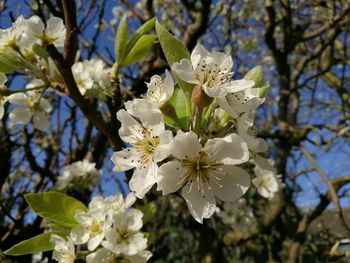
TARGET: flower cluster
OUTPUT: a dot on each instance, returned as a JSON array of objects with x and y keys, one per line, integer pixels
[
  {"x": 81, "y": 173},
  {"x": 23, "y": 46},
  {"x": 205, "y": 160},
  {"x": 92, "y": 78},
  {"x": 237, "y": 214},
  {"x": 267, "y": 181},
  {"x": 110, "y": 231},
  {"x": 25, "y": 33}
]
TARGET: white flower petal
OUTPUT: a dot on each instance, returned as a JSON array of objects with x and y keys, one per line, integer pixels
[
  {"x": 45, "y": 105},
  {"x": 55, "y": 27},
  {"x": 185, "y": 145},
  {"x": 20, "y": 115},
  {"x": 79, "y": 235},
  {"x": 198, "y": 53},
  {"x": 41, "y": 121},
  {"x": 200, "y": 200},
  {"x": 234, "y": 182},
  {"x": 149, "y": 114},
  {"x": 163, "y": 149},
  {"x": 18, "y": 98},
  {"x": 169, "y": 177},
  {"x": 130, "y": 199},
  {"x": 129, "y": 127},
  {"x": 264, "y": 163},
  {"x": 140, "y": 257},
  {"x": 230, "y": 150},
  {"x": 95, "y": 241},
  {"x": 143, "y": 179},
  {"x": 101, "y": 255},
  {"x": 126, "y": 159},
  {"x": 168, "y": 86},
  {"x": 184, "y": 71}
]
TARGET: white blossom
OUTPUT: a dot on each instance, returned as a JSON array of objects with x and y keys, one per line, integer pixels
[
  {"x": 266, "y": 181},
  {"x": 205, "y": 172},
  {"x": 92, "y": 78},
  {"x": 78, "y": 173},
  {"x": 244, "y": 100},
  {"x": 15, "y": 35},
  {"x": 237, "y": 214},
  {"x": 33, "y": 106},
  {"x": 211, "y": 71},
  {"x": 63, "y": 250},
  {"x": 115, "y": 204},
  {"x": 124, "y": 236},
  {"x": 92, "y": 223},
  {"x": 54, "y": 32},
  {"x": 159, "y": 91},
  {"x": 149, "y": 140},
  {"x": 104, "y": 255}
]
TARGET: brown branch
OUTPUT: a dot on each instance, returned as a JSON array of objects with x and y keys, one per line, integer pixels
[
  {"x": 332, "y": 192},
  {"x": 332, "y": 23},
  {"x": 88, "y": 109},
  {"x": 71, "y": 42}
]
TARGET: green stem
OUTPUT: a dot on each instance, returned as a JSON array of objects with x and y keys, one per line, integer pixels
[
  {"x": 209, "y": 112},
  {"x": 8, "y": 92},
  {"x": 197, "y": 125}
]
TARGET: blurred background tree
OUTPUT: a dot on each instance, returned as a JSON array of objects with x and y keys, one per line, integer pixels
[{"x": 303, "y": 48}]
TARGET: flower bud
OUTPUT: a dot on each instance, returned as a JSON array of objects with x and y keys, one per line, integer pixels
[{"x": 200, "y": 98}]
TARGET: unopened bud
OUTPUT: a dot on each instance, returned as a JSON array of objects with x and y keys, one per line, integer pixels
[{"x": 200, "y": 98}]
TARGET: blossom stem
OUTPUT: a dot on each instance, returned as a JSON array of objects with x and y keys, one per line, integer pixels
[
  {"x": 197, "y": 125},
  {"x": 209, "y": 112}
]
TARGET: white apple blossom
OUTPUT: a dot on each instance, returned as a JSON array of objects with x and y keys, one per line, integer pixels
[
  {"x": 78, "y": 173},
  {"x": 124, "y": 236},
  {"x": 240, "y": 101},
  {"x": 15, "y": 36},
  {"x": 92, "y": 223},
  {"x": 104, "y": 255},
  {"x": 149, "y": 140},
  {"x": 63, "y": 250},
  {"x": 3, "y": 99},
  {"x": 160, "y": 91},
  {"x": 266, "y": 181},
  {"x": 247, "y": 130},
  {"x": 53, "y": 33},
  {"x": 205, "y": 172},
  {"x": 115, "y": 204},
  {"x": 211, "y": 71},
  {"x": 33, "y": 106},
  {"x": 92, "y": 78},
  {"x": 237, "y": 214}
]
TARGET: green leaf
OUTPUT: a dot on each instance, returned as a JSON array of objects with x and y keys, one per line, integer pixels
[
  {"x": 55, "y": 206},
  {"x": 174, "y": 50},
  {"x": 139, "y": 50},
  {"x": 176, "y": 111},
  {"x": 10, "y": 61},
  {"x": 39, "y": 50},
  {"x": 149, "y": 211},
  {"x": 257, "y": 75},
  {"x": 121, "y": 39},
  {"x": 39, "y": 243},
  {"x": 139, "y": 32},
  {"x": 264, "y": 90}
]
